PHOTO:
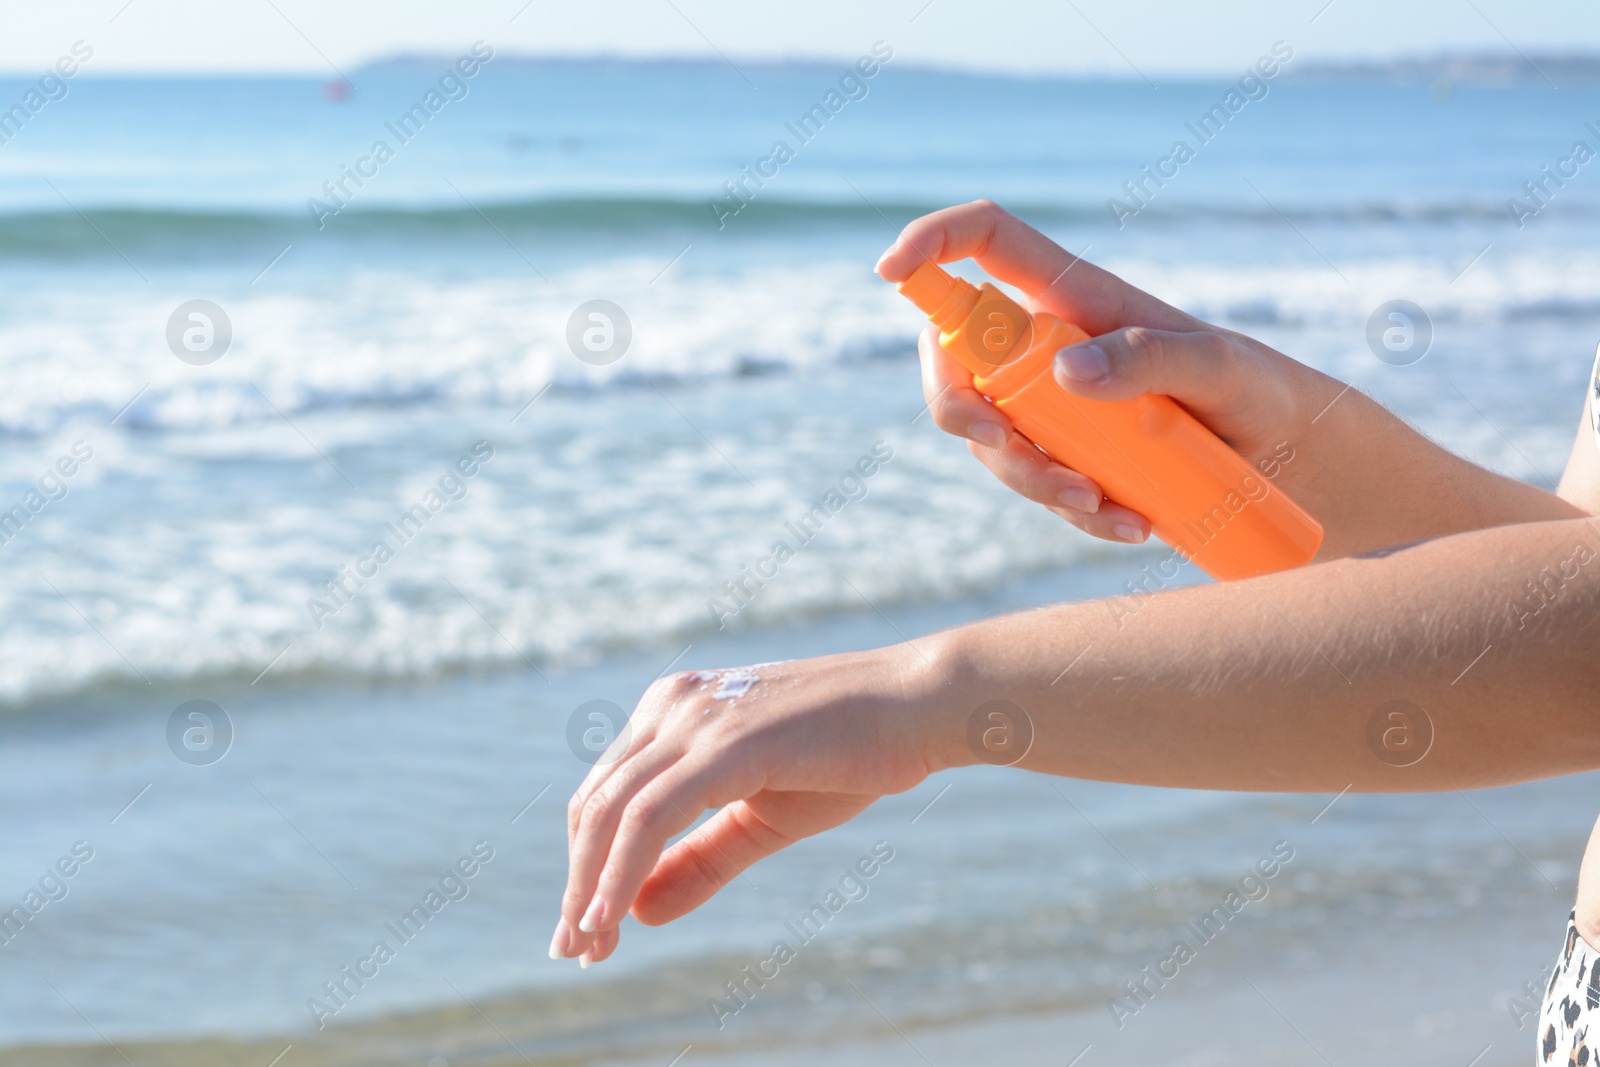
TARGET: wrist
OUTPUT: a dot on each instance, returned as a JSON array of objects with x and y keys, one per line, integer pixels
[
  {"x": 1322, "y": 454},
  {"x": 937, "y": 697},
  {"x": 1373, "y": 481}
]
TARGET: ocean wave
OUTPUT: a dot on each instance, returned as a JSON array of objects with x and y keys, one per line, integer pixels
[
  {"x": 397, "y": 340},
  {"x": 106, "y": 231},
  {"x": 392, "y": 340},
  {"x": 160, "y": 231},
  {"x": 550, "y": 560},
  {"x": 220, "y": 498}
]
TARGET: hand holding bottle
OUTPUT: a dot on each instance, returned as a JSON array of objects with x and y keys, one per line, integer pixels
[{"x": 1258, "y": 401}]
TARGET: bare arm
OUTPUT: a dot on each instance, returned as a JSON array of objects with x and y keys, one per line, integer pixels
[
  {"x": 1270, "y": 684},
  {"x": 1266, "y": 684},
  {"x": 1395, "y": 486}
]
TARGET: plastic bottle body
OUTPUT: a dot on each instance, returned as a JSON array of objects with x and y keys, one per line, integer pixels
[{"x": 1149, "y": 454}]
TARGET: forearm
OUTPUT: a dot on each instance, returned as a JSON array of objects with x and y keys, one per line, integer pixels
[
  {"x": 1269, "y": 684},
  {"x": 1376, "y": 482}
]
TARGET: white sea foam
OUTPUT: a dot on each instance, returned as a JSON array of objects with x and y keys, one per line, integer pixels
[
  {"x": 405, "y": 340},
  {"x": 610, "y": 514},
  {"x": 400, "y": 339}
]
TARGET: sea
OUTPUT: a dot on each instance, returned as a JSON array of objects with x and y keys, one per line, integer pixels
[{"x": 587, "y": 317}]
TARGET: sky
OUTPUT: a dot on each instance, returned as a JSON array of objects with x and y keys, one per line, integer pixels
[{"x": 1101, "y": 37}]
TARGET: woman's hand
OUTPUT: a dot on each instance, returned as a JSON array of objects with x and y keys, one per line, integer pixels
[
  {"x": 1256, "y": 399},
  {"x": 785, "y": 750}
]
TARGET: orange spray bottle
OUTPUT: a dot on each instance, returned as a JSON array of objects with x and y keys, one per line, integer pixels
[{"x": 1148, "y": 453}]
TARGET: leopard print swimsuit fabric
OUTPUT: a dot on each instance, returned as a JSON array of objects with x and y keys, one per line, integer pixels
[{"x": 1570, "y": 1004}]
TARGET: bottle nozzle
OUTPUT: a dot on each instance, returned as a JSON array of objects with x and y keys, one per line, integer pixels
[
  {"x": 942, "y": 296},
  {"x": 983, "y": 328}
]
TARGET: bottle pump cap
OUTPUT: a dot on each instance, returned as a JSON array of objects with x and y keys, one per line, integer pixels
[
  {"x": 990, "y": 329},
  {"x": 931, "y": 286}
]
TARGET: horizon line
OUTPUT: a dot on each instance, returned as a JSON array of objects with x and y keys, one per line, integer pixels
[{"x": 1503, "y": 62}]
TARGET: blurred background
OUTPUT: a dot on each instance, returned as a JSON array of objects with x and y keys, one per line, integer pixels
[{"x": 528, "y": 295}]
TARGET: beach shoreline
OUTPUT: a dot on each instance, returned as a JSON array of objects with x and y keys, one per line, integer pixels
[{"x": 1435, "y": 997}]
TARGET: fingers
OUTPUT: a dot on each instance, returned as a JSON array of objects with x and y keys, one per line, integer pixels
[
  {"x": 739, "y": 835},
  {"x": 1028, "y": 472},
  {"x": 1025, "y": 470},
  {"x": 594, "y": 819},
  {"x": 1202, "y": 369},
  {"x": 662, "y": 694},
  {"x": 1112, "y": 522},
  {"x": 1016, "y": 253},
  {"x": 605, "y": 943},
  {"x": 626, "y": 823},
  {"x": 665, "y": 807},
  {"x": 959, "y": 409},
  {"x": 693, "y": 870},
  {"x": 956, "y": 406}
]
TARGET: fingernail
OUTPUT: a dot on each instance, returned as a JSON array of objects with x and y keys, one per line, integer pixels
[
  {"x": 558, "y": 943},
  {"x": 1128, "y": 532},
  {"x": 988, "y": 433},
  {"x": 591, "y": 918},
  {"x": 585, "y": 959},
  {"x": 1080, "y": 499},
  {"x": 1083, "y": 362},
  {"x": 877, "y": 267}
]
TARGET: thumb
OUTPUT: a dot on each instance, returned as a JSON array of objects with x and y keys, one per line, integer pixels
[
  {"x": 1201, "y": 369},
  {"x": 690, "y": 872}
]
